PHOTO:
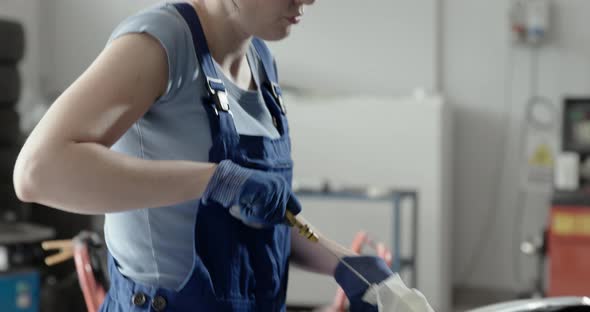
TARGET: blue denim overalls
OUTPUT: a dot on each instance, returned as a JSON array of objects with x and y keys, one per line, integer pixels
[{"x": 236, "y": 267}]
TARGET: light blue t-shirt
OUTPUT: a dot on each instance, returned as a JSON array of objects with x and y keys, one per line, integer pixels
[{"x": 154, "y": 246}]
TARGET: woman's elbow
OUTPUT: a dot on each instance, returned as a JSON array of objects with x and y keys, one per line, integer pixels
[{"x": 26, "y": 177}]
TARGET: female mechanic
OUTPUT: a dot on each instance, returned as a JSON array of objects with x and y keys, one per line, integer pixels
[{"x": 177, "y": 133}]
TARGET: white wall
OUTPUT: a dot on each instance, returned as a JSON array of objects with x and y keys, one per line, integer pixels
[
  {"x": 477, "y": 63},
  {"x": 28, "y": 13},
  {"x": 335, "y": 46},
  {"x": 379, "y": 47},
  {"x": 80, "y": 30}
]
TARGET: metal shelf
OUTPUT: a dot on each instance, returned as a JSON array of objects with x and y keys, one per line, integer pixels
[{"x": 395, "y": 196}]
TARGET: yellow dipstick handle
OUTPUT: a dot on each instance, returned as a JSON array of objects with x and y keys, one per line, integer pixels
[{"x": 304, "y": 229}]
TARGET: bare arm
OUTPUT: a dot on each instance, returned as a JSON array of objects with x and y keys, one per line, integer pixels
[
  {"x": 321, "y": 257},
  {"x": 66, "y": 162}
]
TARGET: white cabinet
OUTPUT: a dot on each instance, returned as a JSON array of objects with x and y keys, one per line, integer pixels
[{"x": 383, "y": 142}]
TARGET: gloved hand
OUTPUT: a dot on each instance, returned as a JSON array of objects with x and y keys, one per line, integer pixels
[
  {"x": 262, "y": 197},
  {"x": 373, "y": 269}
]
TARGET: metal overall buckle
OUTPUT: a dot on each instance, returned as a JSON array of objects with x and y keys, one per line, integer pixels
[
  {"x": 220, "y": 100},
  {"x": 275, "y": 87}
]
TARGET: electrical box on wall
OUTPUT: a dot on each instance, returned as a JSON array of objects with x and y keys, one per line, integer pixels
[{"x": 530, "y": 21}]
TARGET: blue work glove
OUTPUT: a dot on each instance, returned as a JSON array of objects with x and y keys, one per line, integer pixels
[
  {"x": 261, "y": 197},
  {"x": 373, "y": 269}
]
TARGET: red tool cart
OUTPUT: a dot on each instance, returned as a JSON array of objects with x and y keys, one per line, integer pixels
[{"x": 569, "y": 245}]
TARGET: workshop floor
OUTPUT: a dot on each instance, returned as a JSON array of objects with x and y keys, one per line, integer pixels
[{"x": 466, "y": 298}]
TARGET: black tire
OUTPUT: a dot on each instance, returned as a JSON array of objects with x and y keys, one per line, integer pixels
[
  {"x": 7, "y": 194},
  {"x": 10, "y": 84},
  {"x": 8, "y": 105},
  {"x": 12, "y": 42},
  {"x": 8, "y": 156},
  {"x": 11, "y": 208},
  {"x": 10, "y": 133},
  {"x": 10, "y": 205}
]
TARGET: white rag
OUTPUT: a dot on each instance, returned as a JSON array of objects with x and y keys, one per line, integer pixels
[{"x": 392, "y": 295}]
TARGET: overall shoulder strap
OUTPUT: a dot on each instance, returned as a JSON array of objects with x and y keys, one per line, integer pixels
[
  {"x": 270, "y": 71},
  {"x": 215, "y": 86}
]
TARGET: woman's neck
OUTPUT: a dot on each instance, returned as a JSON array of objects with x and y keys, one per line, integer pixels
[{"x": 227, "y": 43}]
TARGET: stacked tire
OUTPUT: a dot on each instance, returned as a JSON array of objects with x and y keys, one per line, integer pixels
[{"x": 12, "y": 46}]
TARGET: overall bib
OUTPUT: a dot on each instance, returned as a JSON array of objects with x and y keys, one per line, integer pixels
[{"x": 236, "y": 267}]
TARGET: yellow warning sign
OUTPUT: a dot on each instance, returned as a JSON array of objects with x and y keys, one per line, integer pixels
[
  {"x": 571, "y": 224},
  {"x": 542, "y": 156}
]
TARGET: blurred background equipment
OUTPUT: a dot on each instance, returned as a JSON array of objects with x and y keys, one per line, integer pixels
[
  {"x": 26, "y": 283},
  {"x": 564, "y": 244},
  {"x": 20, "y": 252},
  {"x": 11, "y": 52},
  {"x": 569, "y": 221},
  {"x": 576, "y": 138},
  {"x": 89, "y": 254},
  {"x": 569, "y": 245},
  {"x": 530, "y": 21},
  {"x": 21, "y": 266}
]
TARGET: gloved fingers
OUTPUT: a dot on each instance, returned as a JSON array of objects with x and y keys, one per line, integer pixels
[
  {"x": 237, "y": 212},
  {"x": 264, "y": 199},
  {"x": 275, "y": 210},
  {"x": 226, "y": 183},
  {"x": 263, "y": 211},
  {"x": 293, "y": 204},
  {"x": 372, "y": 269}
]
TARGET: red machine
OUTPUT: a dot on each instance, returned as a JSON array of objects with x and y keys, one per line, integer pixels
[
  {"x": 568, "y": 245},
  {"x": 85, "y": 249}
]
